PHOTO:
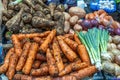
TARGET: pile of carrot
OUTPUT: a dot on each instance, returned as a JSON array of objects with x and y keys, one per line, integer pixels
[{"x": 46, "y": 56}]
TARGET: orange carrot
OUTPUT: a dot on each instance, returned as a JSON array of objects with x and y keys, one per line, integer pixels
[
  {"x": 22, "y": 77},
  {"x": 22, "y": 36},
  {"x": 69, "y": 36},
  {"x": 4, "y": 67},
  {"x": 12, "y": 65},
  {"x": 66, "y": 77},
  {"x": 48, "y": 40},
  {"x": 83, "y": 54},
  {"x": 72, "y": 44},
  {"x": 40, "y": 72},
  {"x": 57, "y": 56},
  {"x": 40, "y": 57},
  {"x": 69, "y": 53},
  {"x": 38, "y": 40},
  {"x": 77, "y": 39},
  {"x": 73, "y": 67},
  {"x": 31, "y": 57},
  {"x": 23, "y": 56},
  {"x": 84, "y": 72},
  {"x": 36, "y": 64},
  {"x": 53, "y": 70},
  {"x": 17, "y": 45}
]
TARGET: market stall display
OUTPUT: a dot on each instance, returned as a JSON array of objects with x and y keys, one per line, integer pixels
[{"x": 47, "y": 40}]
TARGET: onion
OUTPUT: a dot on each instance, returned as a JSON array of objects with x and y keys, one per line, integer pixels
[
  {"x": 117, "y": 70},
  {"x": 110, "y": 39},
  {"x": 101, "y": 27},
  {"x": 115, "y": 52},
  {"x": 94, "y": 23},
  {"x": 117, "y": 31},
  {"x": 86, "y": 24},
  {"x": 117, "y": 59},
  {"x": 110, "y": 30},
  {"x": 116, "y": 39},
  {"x": 118, "y": 46}
]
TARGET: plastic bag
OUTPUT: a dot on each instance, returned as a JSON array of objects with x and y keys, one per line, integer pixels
[{"x": 107, "y": 5}]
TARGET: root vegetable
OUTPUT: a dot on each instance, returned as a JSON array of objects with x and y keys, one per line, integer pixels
[
  {"x": 72, "y": 44},
  {"x": 83, "y": 54},
  {"x": 118, "y": 46},
  {"x": 29, "y": 2},
  {"x": 4, "y": 67},
  {"x": 22, "y": 36},
  {"x": 77, "y": 39},
  {"x": 73, "y": 20},
  {"x": 14, "y": 22},
  {"x": 36, "y": 64},
  {"x": 38, "y": 40},
  {"x": 43, "y": 78},
  {"x": 53, "y": 70},
  {"x": 66, "y": 27},
  {"x": 57, "y": 56},
  {"x": 23, "y": 56},
  {"x": 115, "y": 52},
  {"x": 73, "y": 67},
  {"x": 69, "y": 36},
  {"x": 22, "y": 77},
  {"x": 42, "y": 4},
  {"x": 52, "y": 7},
  {"x": 69, "y": 53},
  {"x": 17, "y": 45},
  {"x": 84, "y": 72},
  {"x": 39, "y": 14},
  {"x": 26, "y": 17},
  {"x": 77, "y": 27},
  {"x": 110, "y": 39},
  {"x": 41, "y": 22},
  {"x": 67, "y": 77},
  {"x": 67, "y": 16},
  {"x": 77, "y": 11},
  {"x": 40, "y": 72},
  {"x": 71, "y": 31},
  {"x": 60, "y": 8},
  {"x": 31, "y": 57},
  {"x": 48, "y": 40},
  {"x": 38, "y": 8},
  {"x": 116, "y": 39},
  {"x": 40, "y": 57},
  {"x": 117, "y": 59},
  {"x": 12, "y": 65}
]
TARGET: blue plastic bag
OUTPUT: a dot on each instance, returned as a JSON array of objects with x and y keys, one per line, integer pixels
[{"x": 107, "y": 5}]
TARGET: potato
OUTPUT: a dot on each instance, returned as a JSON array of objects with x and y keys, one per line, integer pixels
[
  {"x": 116, "y": 39},
  {"x": 77, "y": 27},
  {"x": 115, "y": 52},
  {"x": 73, "y": 20},
  {"x": 79, "y": 21},
  {"x": 77, "y": 11},
  {"x": 67, "y": 16},
  {"x": 66, "y": 27},
  {"x": 118, "y": 46}
]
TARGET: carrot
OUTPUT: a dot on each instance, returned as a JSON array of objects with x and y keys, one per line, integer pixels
[
  {"x": 31, "y": 57},
  {"x": 43, "y": 78},
  {"x": 67, "y": 77},
  {"x": 69, "y": 36},
  {"x": 17, "y": 45},
  {"x": 23, "y": 56},
  {"x": 12, "y": 65},
  {"x": 40, "y": 72},
  {"x": 48, "y": 40},
  {"x": 43, "y": 64},
  {"x": 69, "y": 53},
  {"x": 77, "y": 39},
  {"x": 4, "y": 67},
  {"x": 22, "y": 77},
  {"x": 84, "y": 72},
  {"x": 40, "y": 57},
  {"x": 38, "y": 40},
  {"x": 36, "y": 64},
  {"x": 22, "y": 36},
  {"x": 51, "y": 64},
  {"x": 57, "y": 56},
  {"x": 72, "y": 44},
  {"x": 83, "y": 54},
  {"x": 73, "y": 67}
]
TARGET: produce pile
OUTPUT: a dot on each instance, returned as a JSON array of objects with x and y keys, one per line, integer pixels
[
  {"x": 45, "y": 56},
  {"x": 31, "y": 16}
]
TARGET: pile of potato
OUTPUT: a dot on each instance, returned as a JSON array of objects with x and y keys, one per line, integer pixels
[
  {"x": 45, "y": 56},
  {"x": 111, "y": 61},
  {"x": 72, "y": 19}
]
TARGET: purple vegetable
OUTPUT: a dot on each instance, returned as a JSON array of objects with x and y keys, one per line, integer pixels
[
  {"x": 86, "y": 24},
  {"x": 110, "y": 30},
  {"x": 117, "y": 31},
  {"x": 101, "y": 27},
  {"x": 94, "y": 23}
]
